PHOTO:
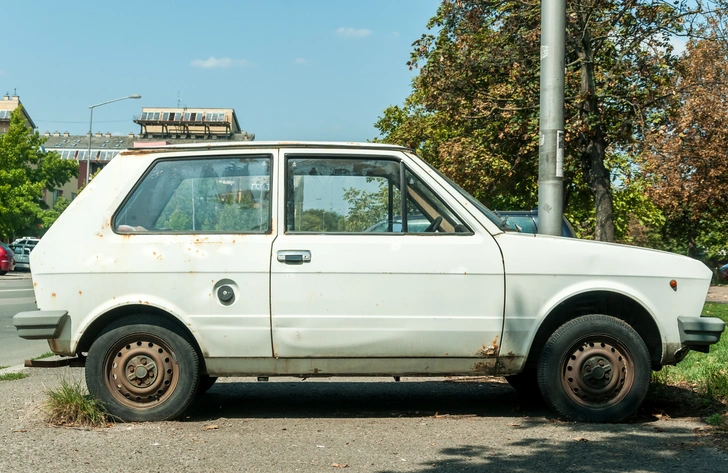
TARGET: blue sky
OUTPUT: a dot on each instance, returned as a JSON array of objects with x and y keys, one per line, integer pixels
[{"x": 292, "y": 70}]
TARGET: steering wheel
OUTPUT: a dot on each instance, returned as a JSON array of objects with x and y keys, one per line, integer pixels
[{"x": 434, "y": 225}]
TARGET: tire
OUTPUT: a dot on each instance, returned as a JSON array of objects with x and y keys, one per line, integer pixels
[
  {"x": 595, "y": 368},
  {"x": 526, "y": 383},
  {"x": 206, "y": 382},
  {"x": 143, "y": 369},
  {"x": 3, "y": 273}
]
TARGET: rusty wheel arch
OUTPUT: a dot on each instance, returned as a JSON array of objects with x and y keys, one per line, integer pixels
[
  {"x": 93, "y": 331},
  {"x": 600, "y": 302}
]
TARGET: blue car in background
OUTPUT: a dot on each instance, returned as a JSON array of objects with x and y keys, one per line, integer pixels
[{"x": 526, "y": 221}]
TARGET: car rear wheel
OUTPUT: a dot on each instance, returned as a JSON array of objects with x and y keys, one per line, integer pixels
[
  {"x": 143, "y": 369},
  {"x": 595, "y": 368}
]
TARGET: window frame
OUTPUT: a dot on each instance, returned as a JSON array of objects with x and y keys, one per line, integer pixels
[
  {"x": 403, "y": 168},
  {"x": 271, "y": 163}
]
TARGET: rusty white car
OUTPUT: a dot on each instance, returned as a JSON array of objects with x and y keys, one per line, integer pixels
[{"x": 254, "y": 259}]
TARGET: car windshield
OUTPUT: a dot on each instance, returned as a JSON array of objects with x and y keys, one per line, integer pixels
[{"x": 492, "y": 216}]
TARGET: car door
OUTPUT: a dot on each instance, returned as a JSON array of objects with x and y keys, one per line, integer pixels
[
  {"x": 196, "y": 232},
  {"x": 343, "y": 287}
]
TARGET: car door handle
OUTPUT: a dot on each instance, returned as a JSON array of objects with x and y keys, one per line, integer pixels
[{"x": 294, "y": 256}]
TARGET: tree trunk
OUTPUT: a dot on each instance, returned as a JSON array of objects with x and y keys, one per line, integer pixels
[
  {"x": 595, "y": 173},
  {"x": 597, "y": 177}
]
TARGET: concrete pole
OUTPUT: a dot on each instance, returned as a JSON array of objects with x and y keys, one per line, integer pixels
[{"x": 551, "y": 122}]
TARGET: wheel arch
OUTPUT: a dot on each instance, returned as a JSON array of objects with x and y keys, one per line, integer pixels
[
  {"x": 603, "y": 302},
  {"x": 92, "y": 332}
]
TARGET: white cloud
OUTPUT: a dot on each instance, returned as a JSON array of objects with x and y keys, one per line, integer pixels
[
  {"x": 299, "y": 61},
  {"x": 222, "y": 62},
  {"x": 352, "y": 33}
]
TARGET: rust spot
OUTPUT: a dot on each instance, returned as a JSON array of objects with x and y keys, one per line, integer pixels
[
  {"x": 483, "y": 368},
  {"x": 315, "y": 371},
  {"x": 495, "y": 342},
  {"x": 80, "y": 293},
  {"x": 53, "y": 295},
  {"x": 486, "y": 352},
  {"x": 142, "y": 152},
  {"x": 35, "y": 284}
]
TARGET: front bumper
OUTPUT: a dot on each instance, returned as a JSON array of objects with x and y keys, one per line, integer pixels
[
  {"x": 40, "y": 324},
  {"x": 698, "y": 333}
]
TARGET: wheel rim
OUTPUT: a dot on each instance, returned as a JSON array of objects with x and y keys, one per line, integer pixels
[
  {"x": 597, "y": 372},
  {"x": 141, "y": 371}
]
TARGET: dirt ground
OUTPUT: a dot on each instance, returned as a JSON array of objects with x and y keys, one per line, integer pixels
[{"x": 718, "y": 294}]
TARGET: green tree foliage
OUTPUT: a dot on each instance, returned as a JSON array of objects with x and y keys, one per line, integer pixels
[
  {"x": 474, "y": 108},
  {"x": 51, "y": 215},
  {"x": 25, "y": 170}
]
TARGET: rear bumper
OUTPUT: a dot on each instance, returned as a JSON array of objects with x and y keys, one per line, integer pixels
[
  {"x": 40, "y": 324},
  {"x": 698, "y": 333}
]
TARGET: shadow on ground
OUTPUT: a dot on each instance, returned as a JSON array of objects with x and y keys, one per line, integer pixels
[{"x": 482, "y": 397}]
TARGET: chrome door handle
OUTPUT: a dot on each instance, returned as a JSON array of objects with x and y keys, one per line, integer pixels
[{"x": 294, "y": 256}]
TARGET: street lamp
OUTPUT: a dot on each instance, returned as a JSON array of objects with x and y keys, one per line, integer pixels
[{"x": 90, "y": 125}]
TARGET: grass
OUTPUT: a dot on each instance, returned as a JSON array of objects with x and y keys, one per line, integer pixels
[
  {"x": 12, "y": 376},
  {"x": 70, "y": 404},
  {"x": 706, "y": 373},
  {"x": 47, "y": 354}
]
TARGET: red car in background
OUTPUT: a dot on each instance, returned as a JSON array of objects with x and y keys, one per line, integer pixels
[{"x": 7, "y": 259}]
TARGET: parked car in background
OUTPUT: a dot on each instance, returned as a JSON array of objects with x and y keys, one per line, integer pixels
[
  {"x": 7, "y": 259},
  {"x": 22, "y": 247},
  {"x": 415, "y": 224},
  {"x": 526, "y": 221},
  {"x": 723, "y": 271},
  {"x": 181, "y": 264}
]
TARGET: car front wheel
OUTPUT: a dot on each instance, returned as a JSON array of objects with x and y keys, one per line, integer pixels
[
  {"x": 143, "y": 369},
  {"x": 595, "y": 368}
]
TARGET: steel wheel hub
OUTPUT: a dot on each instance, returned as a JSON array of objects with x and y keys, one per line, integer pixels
[
  {"x": 142, "y": 373},
  {"x": 597, "y": 372}
]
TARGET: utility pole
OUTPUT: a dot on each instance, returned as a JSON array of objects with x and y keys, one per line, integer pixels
[{"x": 551, "y": 121}]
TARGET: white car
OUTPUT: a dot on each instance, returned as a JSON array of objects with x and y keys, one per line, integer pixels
[
  {"x": 256, "y": 259},
  {"x": 22, "y": 247}
]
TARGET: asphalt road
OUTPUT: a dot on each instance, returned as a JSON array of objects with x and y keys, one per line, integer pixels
[
  {"x": 16, "y": 295},
  {"x": 351, "y": 424}
]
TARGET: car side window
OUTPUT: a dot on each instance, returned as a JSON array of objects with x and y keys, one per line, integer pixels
[
  {"x": 361, "y": 195},
  {"x": 229, "y": 194}
]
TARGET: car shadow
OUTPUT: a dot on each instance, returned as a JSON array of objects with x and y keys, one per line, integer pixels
[
  {"x": 370, "y": 398},
  {"x": 384, "y": 398}
]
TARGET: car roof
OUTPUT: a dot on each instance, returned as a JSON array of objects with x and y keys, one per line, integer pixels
[{"x": 266, "y": 144}]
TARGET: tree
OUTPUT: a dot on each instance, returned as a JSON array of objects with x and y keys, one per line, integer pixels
[
  {"x": 686, "y": 157},
  {"x": 474, "y": 107},
  {"x": 25, "y": 170}
]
